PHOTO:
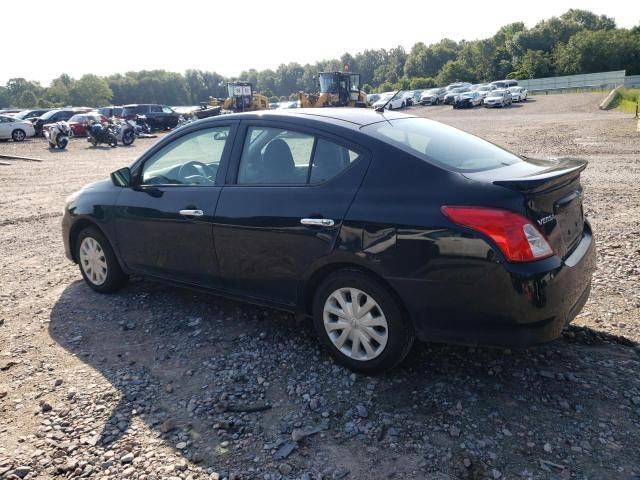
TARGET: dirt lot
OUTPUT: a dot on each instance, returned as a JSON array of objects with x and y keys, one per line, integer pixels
[{"x": 158, "y": 382}]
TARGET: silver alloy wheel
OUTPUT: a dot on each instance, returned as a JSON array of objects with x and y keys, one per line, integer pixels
[
  {"x": 355, "y": 324},
  {"x": 93, "y": 261},
  {"x": 18, "y": 135}
]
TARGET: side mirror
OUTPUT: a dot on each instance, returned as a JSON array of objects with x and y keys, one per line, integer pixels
[{"x": 121, "y": 177}]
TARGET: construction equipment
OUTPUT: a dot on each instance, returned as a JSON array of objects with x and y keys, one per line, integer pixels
[
  {"x": 335, "y": 89},
  {"x": 241, "y": 98}
]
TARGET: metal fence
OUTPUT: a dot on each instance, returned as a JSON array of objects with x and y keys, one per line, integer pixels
[
  {"x": 632, "y": 81},
  {"x": 588, "y": 81}
]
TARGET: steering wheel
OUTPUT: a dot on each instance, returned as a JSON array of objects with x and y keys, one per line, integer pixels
[{"x": 190, "y": 170}]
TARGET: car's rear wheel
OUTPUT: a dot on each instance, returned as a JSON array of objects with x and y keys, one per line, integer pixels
[
  {"x": 18, "y": 135},
  {"x": 98, "y": 263},
  {"x": 360, "y": 322}
]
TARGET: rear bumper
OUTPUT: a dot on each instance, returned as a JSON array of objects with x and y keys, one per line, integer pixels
[{"x": 507, "y": 305}]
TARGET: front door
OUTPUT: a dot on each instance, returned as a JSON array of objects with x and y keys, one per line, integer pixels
[
  {"x": 164, "y": 223},
  {"x": 284, "y": 209}
]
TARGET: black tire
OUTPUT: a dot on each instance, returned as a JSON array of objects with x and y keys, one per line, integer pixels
[
  {"x": 62, "y": 142},
  {"x": 115, "y": 278},
  {"x": 128, "y": 137},
  {"x": 18, "y": 135},
  {"x": 112, "y": 141},
  {"x": 400, "y": 334},
  {"x": 93, "y": 141}
]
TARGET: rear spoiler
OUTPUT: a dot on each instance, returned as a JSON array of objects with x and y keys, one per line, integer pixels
[{"x": 564, "y": 172}]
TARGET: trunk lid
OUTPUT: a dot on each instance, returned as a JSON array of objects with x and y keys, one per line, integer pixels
[{"x": 552, "y": 193}]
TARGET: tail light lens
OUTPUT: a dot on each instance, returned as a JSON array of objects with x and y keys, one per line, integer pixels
[{"x": 517, "y": 238}]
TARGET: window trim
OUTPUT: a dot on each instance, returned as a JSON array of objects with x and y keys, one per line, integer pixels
[
  {"x": 138, "y": 166},
  {"x": 317, "y": 133}
]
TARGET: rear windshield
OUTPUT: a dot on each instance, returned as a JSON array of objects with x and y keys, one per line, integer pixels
[{"x": 441, "y": 144}]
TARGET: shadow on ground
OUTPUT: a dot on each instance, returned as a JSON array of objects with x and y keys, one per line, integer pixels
[{"x": 231, "y": 382}]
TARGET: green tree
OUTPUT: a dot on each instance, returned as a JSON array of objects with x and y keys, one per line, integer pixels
[
  {"x": 90, "y": 90},
  {"x": 4, "y": 97},
  {"x": 422, "y": 82},
  {"x": 28, "y": 99},
  {"x": 455, "y": 71}
]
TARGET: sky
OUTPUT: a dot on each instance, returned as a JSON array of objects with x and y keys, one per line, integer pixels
[{"x": 228, "y": 37}]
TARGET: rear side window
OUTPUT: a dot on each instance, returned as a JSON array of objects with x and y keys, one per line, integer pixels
[
  {"x": 156, "y": 108},
  {"x": 441, "y": 144},
  {"x": 277, "y": 156}
]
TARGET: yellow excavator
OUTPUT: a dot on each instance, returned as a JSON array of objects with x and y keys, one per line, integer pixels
[
  {"x": 335, "y": 89},
  {"x": 241, "y": 98}
]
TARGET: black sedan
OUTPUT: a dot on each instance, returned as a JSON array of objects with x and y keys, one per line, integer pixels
[{"x": 380, "y": 227}]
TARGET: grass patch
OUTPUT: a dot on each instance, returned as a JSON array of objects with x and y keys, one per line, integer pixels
[{"x": 626, "y": 100}]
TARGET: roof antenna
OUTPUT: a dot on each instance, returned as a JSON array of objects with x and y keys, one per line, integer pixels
[{"x": 381, "y": 108}]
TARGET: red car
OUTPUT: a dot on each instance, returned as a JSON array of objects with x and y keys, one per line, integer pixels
[{"x": 78, "y": 123}]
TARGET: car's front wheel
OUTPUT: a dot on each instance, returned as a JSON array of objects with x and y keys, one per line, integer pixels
[
  {"x": 360, "y": 322},
  {"x": 18, "y": 135},
  {"x": 98, "y": 263}
]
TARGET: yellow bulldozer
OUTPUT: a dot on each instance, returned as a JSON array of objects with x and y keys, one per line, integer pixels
[
  {"x": 241, "y": 98},
  {"x": 335, "y": 89}
]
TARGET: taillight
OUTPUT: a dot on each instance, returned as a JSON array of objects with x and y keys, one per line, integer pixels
[{"x": 516, "y": 237}]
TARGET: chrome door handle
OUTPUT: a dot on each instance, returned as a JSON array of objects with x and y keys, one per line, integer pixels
[
  {"x": 192, "y": 213},
  {"x": 317, "y": 222}
]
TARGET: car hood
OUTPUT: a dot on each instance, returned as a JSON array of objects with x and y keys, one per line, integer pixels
[{"x": 99, "y": 186}]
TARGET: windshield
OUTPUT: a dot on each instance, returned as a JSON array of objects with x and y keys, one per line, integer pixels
[
  {"x": 24, "y": 114},
  {"x": 484, "y": 89},
  {"x": 328, "y": 83},
  {"x": 49, "y": 114},
  {"x": 497, "y": 93},
  {"x": 441, "y": 144},
  {"x": 458, "y": 90}
]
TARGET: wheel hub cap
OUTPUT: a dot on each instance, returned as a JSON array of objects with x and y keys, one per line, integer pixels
[
  {"x": 93, "y": 261},
  {"x": 355, "y": 324}
]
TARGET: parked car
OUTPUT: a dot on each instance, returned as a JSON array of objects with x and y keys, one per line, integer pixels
[
  {"x": 498, "y": 98},
  {"x": 158, "y": 116},
  {"x": 14, "y": 128},
  {"x": 505, "y": 83},
  {"x": 518, "y": 94},
  {"x": 53, "y": 116},
  {"x": 453, "y": 93},
  {"x": 433, "y": 96},
  {"x": 28, "y": 114},
  {"x": 407, "y": 96},
  {"x": 352, "y": 219},
  {"x": 451, "y": 86},
  {"x": 79, "y": 122},
  {"x": 485, "y": 89},
  {"x": 417, "y": 94},
  {"x": 396, "y": 101},
  {"x": 9, "y": 112},
  {"x": 467, "y": 100},
  {"x": 373, "y": 97},
  {"x": 111, "y": 112}
]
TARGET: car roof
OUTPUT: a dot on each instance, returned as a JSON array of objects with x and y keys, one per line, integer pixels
[{"x": 346, "y": 117}]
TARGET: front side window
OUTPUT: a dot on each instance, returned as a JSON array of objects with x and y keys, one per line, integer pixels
[
  {"x": 441, "y": 144},
  {"x": 166, "y": 110},
  {"x": 155, "y": 108},
  {"x": 192, "y": 159}
]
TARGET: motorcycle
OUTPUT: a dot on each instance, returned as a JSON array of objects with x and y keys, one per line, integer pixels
[
  {"x": 124, "y": 130},
  {"x": 58, "y": 135},
  {"x": 101, "y": 133},
  {"x": 141, "y": 121}
]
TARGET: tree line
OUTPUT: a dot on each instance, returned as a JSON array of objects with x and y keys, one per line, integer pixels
[{"x": 577, "y": 41}]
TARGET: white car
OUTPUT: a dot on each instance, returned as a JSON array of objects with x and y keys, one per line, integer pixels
[
  {"x": 397, "y": 101},
  {"x": 485, "y": 90},
  {"x": 518, "y": 94},
  {"x": 498, "y": 98},
  {"x": 16, "y": 129}
]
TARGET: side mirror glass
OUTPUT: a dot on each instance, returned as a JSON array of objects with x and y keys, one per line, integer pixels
[{"x": 121, "y": 177}]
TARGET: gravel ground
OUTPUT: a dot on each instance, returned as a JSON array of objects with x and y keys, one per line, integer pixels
[{"x": 162, "y": 383}]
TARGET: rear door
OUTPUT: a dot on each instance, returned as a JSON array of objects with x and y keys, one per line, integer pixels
[{"x": 287, "y": 193}]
